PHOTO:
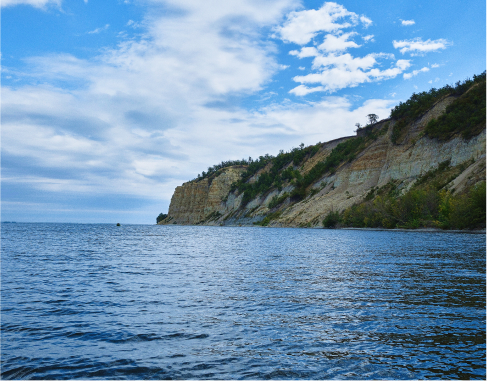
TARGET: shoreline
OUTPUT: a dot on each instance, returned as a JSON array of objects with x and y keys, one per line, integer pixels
[{"x": 421, "y": 230}]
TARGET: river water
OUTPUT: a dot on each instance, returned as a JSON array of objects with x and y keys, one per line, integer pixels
[{"x": 174, "y": 302}]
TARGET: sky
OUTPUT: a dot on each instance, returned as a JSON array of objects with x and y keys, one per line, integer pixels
[{"x": 108, "y": 106}]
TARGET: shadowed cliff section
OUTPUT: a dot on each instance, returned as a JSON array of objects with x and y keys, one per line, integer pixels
[{"x": 433, "y": 145}]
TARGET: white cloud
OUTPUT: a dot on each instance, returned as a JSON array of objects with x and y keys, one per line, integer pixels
[
  {"x": 407, "y": 22},
  {"x": 333, "y": 43},
  {"x": 366, "y": 21},
  {"x": 415, "y": 73},
  {"x": 34, "y": 3},
  {"x": 305, "y": 52},
  {"x": 417, "y": 46},
  {"x": 302, "y": 90},
  {"x": 368, "y": 38},
  {"x": 301, "y": 26},
  {"x": 333, "y": 68},
  {"x": 338, "y": 72},
  {"x": 98, "y": 30},
  {"x": 307, "y": 119},
  {"x": 435, "y": 65},
  {"x": 142, "y": 118}
]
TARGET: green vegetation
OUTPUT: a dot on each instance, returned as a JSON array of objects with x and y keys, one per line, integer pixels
[
  {"x": 427, "y": 204},
  {"x": 418, "y": 104},
  {"x": 224, "y": 164},
  {"x": 268, "y": 219},
  {"x": 161, "y": 217},
  {"x": 465, "y": 115},
  {"x": 417, "y": 208},
  {"x": 275, "y": 176},
  {"x": 212, "y": 216},
  {"x": 331, "y": 220},
  {"x": 277, "y": 200},
  {"x": 343, "y": 152}
]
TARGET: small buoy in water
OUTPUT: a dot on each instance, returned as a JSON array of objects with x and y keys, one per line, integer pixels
[{"x": 118, "y": 223}]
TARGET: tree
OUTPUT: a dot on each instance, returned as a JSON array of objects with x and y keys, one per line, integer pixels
[
  {"x": 358, "y": 126},
  {"x": 373, "y": 118},
  {"x": 161, "y": 217}
]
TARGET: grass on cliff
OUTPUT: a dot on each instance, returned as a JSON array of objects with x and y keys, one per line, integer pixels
[{"x": 419, "y": 103}]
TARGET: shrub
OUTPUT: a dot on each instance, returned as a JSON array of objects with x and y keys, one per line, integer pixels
[
  {"x": 418, "y": 104},
  {"x": 277, "y": 200},
  {"x": 161, "y": 217},
  {"x": 465, "y": 115},
  {"x": 331, "y": 220}
]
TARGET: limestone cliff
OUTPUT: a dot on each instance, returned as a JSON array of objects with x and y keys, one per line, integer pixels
[
  {"x": 197, "y": 202},
  {"x": 213, "y": 201}
]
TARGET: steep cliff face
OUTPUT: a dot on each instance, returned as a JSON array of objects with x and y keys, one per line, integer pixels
[
  {"x": 201, "y": 201},
  {"x": 211, "y": 201}
]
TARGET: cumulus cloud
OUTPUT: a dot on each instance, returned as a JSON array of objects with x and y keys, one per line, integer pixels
[
  {"x": 407, "y": 22},
  {"x": 341, "y": 71},
  {"x": 417, "y": 46},
  {"x": 334, "y": 68},
  {"x": 334, "y": 43},
  {"x": 301, "y": 26}
]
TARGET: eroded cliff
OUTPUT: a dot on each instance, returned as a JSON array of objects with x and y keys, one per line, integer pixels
[{"x": 294, "y": 200}]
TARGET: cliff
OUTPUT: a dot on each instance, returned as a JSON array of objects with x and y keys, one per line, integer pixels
[
  {"x": 300, "y": 188},
  {"x": 198, "y": 202}
]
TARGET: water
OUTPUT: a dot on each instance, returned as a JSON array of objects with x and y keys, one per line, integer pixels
[{"x": 167, "y": 302}]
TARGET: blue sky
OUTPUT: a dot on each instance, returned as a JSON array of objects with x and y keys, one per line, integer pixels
[{"x": 107, "y": 106}]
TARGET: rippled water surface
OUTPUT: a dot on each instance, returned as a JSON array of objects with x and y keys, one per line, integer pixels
[{"x": 166, "y": 302}]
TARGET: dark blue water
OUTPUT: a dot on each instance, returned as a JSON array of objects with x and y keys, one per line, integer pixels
[{"x": 164, "y": 302}]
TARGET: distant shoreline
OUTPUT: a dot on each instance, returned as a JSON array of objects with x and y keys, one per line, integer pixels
[{"x": 421, "y": 230}]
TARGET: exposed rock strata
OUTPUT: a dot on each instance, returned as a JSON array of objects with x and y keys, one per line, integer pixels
[{"x": 196, "y": 202}]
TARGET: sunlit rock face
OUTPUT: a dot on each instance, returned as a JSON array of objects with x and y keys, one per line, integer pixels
[
  {"x": 210, "y": 202},
  {"x": 194, "y": 201}
]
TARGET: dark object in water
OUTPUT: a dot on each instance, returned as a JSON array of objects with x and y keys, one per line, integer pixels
[{"x": 118, "y": 223}]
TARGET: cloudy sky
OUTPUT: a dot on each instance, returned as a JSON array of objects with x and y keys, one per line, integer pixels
[{"x": 107, "y": 106}]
